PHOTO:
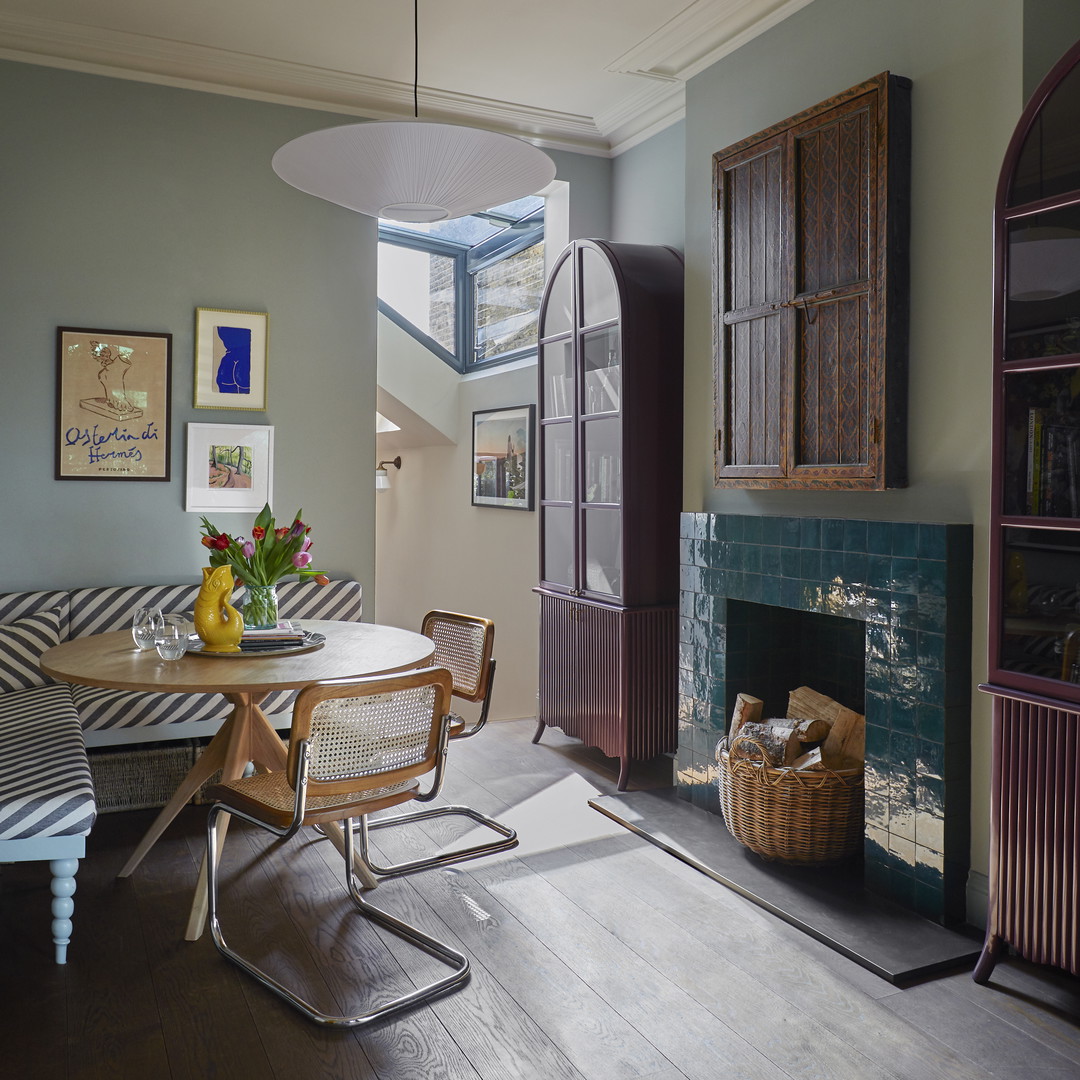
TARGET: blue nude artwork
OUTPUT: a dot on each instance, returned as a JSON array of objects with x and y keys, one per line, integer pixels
[{"x": 232, "y": 360}]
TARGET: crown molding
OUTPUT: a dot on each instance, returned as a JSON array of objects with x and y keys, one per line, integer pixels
[
  {"x": 156, "y": 60},
  {"x": 659, "y": 66},
  {"x": 649, "y": 108},
  {"x": 701, "y": 34}
]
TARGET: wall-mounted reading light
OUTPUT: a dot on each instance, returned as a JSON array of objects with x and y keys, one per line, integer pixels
[{"x": 382, "y": 478}]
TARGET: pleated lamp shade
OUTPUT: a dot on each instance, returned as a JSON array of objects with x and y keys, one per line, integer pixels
[{"x": 413, "y": 171}]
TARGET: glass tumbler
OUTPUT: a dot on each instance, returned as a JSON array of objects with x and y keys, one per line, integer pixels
[
  {"x": 144, "y": 626},
  {"x": 171, "y": 637}
]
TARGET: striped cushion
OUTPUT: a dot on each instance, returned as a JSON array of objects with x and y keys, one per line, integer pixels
[
  {"x": 45, "y": 784},
  {"x": 21, "y": 645},
  {"x": 96, "y": 611},
  {"x": 342, "y": 601},
  {"x": 13, "y": 606},
  {"x": 100, "y": 708}
]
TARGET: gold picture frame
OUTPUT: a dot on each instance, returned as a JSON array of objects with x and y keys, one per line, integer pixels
[
  {"x": 112, "y": 404},
  {"x": 231, "y": 359}
]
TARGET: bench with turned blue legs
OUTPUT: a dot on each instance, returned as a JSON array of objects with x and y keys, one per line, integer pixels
[{"x": 46, "y": 793}]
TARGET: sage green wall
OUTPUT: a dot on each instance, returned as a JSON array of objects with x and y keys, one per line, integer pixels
[
  {"x": 965, "y": 60},
  {"x": 648, "y": 197},
  {"x": 590, "y": 192},
  {"x": 125, "y": 205},
  {"x": 1050, "y": 27}
]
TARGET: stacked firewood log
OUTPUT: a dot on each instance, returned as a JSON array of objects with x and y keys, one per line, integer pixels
[{"x": 817, "y": 733}]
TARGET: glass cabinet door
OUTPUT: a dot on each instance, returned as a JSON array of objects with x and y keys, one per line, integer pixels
[
  {"x": 559, "y": 566},
  {"x": 1035, "y": 521},
  {"x": 602, "y": 450},
  {"x": 602, "y": 389},
  {"x": 1041, "y": 429},
  {"x": 602, "y": 551},
  {"x": 558, "y": 485},
  {"x": 599, "y": 290},
  {"x": 601, "y": 519},
  {"x": 557, "y": 379},
  {"x": 559, "y": 314},
  {"x": 581, "y": 430}
]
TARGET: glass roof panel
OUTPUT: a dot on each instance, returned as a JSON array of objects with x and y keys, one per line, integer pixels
[
  {"x": 519, "y": 208},
  {"x": 475, "y": 229}
]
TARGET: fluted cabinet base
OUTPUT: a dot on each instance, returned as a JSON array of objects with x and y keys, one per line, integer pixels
[
  {"x": 1034, "y": 836},
  {"x": 607, "y": 677}
]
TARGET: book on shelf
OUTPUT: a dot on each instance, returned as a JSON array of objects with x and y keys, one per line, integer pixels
[
  {"x": 1053, "y": 474},
  {"x": 1036, "y": 422}
]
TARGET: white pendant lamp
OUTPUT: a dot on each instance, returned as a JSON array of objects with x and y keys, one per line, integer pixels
[
  {"x": 412, "y": 171},
  {"x": 407, "y": 170}
]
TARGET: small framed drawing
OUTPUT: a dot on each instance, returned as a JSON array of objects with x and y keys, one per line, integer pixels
[
  {"x": 230, "y": 359},
  {"x": 502, "y": 459},
  {"x": 230, "y": 468},
  {"x": 112, "y": 404}
]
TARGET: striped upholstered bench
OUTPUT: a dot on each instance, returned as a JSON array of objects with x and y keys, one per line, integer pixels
[
  {"x": 46, "y": 793},
  {"x": 117, "y": 717}
]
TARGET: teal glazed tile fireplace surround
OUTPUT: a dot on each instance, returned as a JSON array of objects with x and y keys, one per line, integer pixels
[{"x": 894, "y": 641}]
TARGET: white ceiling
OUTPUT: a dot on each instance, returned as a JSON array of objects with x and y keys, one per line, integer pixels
[{"x": 596, "y": 76}]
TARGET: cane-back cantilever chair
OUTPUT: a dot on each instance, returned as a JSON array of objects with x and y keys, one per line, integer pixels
[
  {"x": 463, "y": 645},
  {"x": 356, "y": 746}
]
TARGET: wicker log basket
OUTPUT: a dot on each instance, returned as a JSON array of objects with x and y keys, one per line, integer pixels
[{"x": 789, "y": 815}]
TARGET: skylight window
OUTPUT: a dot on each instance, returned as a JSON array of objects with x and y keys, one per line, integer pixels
[{"x": 469, "y": 289}]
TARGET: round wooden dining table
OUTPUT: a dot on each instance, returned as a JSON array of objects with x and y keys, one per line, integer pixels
[{"x": 349, "y": 650}]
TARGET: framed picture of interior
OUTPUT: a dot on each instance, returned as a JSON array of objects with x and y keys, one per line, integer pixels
[
  {"x": 230, "y": 359},
  {"x": 502, "y": 459},
  {"x": 112, "y": 404},
  {"x": 230, "y": 468}
]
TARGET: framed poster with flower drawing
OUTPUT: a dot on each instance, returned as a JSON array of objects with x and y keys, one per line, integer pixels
[
  {"x": 230, "y": 468},
  {"x": 230, "y": 359},
  {"x": 112, "y": 404}
]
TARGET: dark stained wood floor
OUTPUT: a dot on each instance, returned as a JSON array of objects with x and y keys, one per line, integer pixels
[{"x": 595, "y": 955}]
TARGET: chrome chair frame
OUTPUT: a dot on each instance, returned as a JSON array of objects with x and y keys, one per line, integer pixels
[
  {"x": 473, "y": 680},
  {"x": 298, "y": 778}
]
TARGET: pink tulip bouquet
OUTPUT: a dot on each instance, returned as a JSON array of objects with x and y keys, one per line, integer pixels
[{"x": 269, "y": 555}]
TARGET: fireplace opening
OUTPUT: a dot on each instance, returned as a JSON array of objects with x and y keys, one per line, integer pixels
[{"x": 772, "y": 650}]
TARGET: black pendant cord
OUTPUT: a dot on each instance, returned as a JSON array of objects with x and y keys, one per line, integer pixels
[{"x": 416, "y": 60}]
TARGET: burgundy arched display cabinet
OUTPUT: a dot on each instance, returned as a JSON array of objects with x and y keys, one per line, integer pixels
[
  {"x": 1034, "y": 663},
  {"x": 610, "y": 452}
]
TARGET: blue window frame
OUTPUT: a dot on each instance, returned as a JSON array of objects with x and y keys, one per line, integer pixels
[{"x": 467, "y": 289}]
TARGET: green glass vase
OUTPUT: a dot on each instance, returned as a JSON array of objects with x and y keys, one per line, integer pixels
[{"x": 260, "y": 607}]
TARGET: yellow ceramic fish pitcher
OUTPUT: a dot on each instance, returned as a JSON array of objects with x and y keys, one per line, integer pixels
[{"x": 217, "y": 622}]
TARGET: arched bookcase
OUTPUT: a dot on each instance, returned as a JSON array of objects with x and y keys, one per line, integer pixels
[{"x": 1034, "y": 661}]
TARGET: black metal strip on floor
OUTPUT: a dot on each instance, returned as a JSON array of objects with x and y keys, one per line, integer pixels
[{"x": 829, "y": 903}]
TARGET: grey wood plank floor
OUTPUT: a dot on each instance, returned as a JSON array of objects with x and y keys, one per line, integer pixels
[{"x": 595, "y": 956}]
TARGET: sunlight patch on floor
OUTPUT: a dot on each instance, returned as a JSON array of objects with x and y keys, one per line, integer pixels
[{"x": 558, "y": 816}]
